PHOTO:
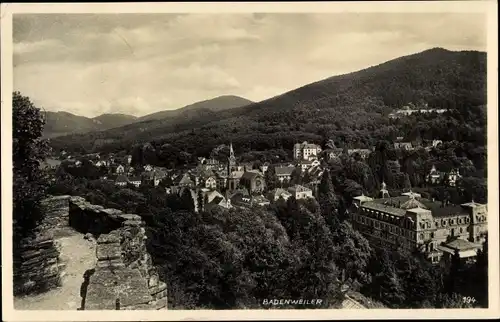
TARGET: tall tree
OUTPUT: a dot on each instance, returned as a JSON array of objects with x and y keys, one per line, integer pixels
[
  {"x": 270, "y": 177},
  {"x": 187, "y": 202},
  {"x": 296, "y": 176},
  {"x": 28, "y": 151},
  {"x": 328, "y": 200},
  {"x": 200, "y": 201},
  {"x": 28, "y": 181}
]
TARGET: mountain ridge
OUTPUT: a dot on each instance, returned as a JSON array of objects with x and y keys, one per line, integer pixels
[
  {"x": 65, "y": 123},
  {"x": 359, "y": 100}
]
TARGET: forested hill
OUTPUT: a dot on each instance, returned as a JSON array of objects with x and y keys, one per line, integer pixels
[
  {"x": 61, "y": 123},
  {"x": 352, "y": 109},
  {"x": 217, "y": 104},
  {"x": 440, "y": 77}
]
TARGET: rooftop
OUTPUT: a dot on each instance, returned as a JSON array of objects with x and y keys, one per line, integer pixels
[
  {"x": 284, "y": 170},
  {"x": 461, "y": 244},
  {"x": 436, "y": 207}
]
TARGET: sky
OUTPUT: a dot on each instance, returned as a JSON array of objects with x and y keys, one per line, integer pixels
[{"x": 137, "y": 64}]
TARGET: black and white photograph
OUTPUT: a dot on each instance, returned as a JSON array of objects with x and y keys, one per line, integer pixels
[{"x": 251, "y": 160}]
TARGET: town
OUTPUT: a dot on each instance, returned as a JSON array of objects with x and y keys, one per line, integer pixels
[{"x": 438, "y": 227}]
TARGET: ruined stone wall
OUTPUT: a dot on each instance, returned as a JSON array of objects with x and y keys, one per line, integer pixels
[
  {"x": 37, "y": 267},
  {"x": 124, "y": 277}
]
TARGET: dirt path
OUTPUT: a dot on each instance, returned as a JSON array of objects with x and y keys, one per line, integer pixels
[{"x": 79, "y": 255}]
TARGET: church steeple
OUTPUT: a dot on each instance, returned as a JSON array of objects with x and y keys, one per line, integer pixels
[
  {"x": 231, "y": 160},
  {"x": 231, "y": 151}
]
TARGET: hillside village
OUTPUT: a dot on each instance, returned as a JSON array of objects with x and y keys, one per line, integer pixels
[{"x": 232, "y": 184}]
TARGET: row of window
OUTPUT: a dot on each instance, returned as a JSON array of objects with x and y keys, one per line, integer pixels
[{"x": 385, "y": 226}]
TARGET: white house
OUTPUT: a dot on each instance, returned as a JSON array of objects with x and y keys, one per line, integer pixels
[
  {"x": 211, "y": 182},
  {"x": 300, "y": 192},
  {"x": 148, "y": 167},
  {"x": 120, "y": 169},
  {"x": 306, "y": 151}
]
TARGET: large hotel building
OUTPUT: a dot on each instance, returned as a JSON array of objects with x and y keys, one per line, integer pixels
[{"x": 438, "y": 229}]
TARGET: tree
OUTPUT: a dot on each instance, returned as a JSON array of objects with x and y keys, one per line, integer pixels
[
  {"x": 28, "y": 181},
  {"x": 352, "y": 252},
  {"x": 407, "y": 182},
  {"x": 28, "y": 151},
  {"x": 270, "y": 177},
  {"x": 328, "y": 200},
  {"x": 187, "y": 202},
  {"x": 389, "y": 285},
  {"x": 296, "y": 176}
]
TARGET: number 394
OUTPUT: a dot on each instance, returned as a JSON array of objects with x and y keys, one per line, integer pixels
[{"x": 468, "y": 299}]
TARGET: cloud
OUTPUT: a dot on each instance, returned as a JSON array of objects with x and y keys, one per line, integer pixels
[{"x": 141, "y": 63}]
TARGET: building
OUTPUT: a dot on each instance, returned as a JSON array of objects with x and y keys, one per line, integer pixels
[
  {"x": 306, "y": 151},
  {"x": 253, "y": 181},
  {"x": 412, "y": 222},
  {"x": 49, "y": 163},
  {"x": 121, "y": 180},
  {"x": 333, "y": 154},
  {"x": 184, "y": 181},
  {"x": 233, "y": 180},
  {"x": 300, "y": 192},
  {"x": 263, "y": 167},
  {"x": 136, "y": 181},
  {"x": 276, "y": 194},
  {"x": 231, "y": 161},
  {"x": 148, "y": 167},
  {"x": 308, "y": 164},
  {"x": 120, "y": 169},
  {"x": 434, "y": 176},
  {"x": 284, "y": 174},
  {"x": 466, "y": 250},
  {"x": 210, "y": 182},
  {"x": 363, "y": 153},
  {"x": 403, "y": 146},
  {"x": 210, "y": 164},
  {"x": 453, "y": 176}
]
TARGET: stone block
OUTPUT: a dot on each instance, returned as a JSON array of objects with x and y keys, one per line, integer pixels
[
  {"x": 108, "y": 251},
  {"x": 108, "y": 238}
]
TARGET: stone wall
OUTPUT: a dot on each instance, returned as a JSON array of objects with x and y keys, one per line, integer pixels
[
  {"x": 56, "y": 212},
  {"x": 124, "y": 277},
  {"x": 38, "y": 267}
]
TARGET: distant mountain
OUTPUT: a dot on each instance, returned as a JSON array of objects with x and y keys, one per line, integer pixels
[
  {"x": 217, "y": 104},
  {"x": 62, "y": 123},
  {"x": 348, "y": 108}
]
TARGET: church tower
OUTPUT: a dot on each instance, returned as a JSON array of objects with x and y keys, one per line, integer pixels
[{"x": 231, "y": 166}]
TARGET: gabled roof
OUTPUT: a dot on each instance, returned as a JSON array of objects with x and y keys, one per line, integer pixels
[
  {"x": 461, "y": 244},
  {"x": 121, "y": 178},
  {"x": 298, "y": 188},
  {"x": 236, "y": 174},
  {"x": 185, "y": 179},
  {"x": 412, "y": 203},
  {"x": 284, "y": 170},
  {"x": 250, "y": 175}
]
